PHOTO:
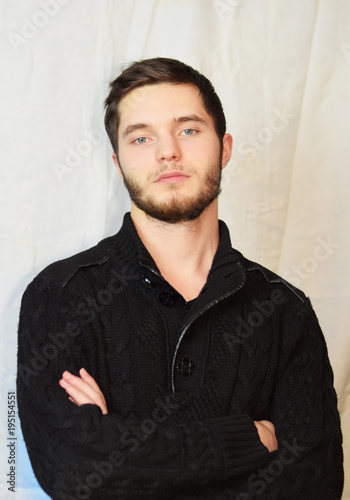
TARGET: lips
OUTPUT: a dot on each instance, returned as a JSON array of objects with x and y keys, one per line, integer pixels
[{"x": 172, "y": 176}]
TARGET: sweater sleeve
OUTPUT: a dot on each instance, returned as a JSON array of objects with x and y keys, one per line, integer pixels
[
  {"x": 76, "y": 452},
  {"x": 309, "y": 462}
]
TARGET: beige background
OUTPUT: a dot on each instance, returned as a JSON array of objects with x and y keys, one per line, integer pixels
[{"x": 282, "y": 69}]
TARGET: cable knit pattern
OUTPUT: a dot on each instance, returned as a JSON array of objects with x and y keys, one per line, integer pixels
[{"x": 257, "y": 352}]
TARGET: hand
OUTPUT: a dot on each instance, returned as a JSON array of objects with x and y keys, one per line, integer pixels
[
  {"x": 266, "y": 431},
  {"x": 83, "y": 390}
]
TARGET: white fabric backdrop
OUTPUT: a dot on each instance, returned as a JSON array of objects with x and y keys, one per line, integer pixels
[{"x": 282, "y": 69}]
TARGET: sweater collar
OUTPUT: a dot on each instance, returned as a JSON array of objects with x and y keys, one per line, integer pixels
[
  {"x": 131, "y": 240},
  {"x": 226, "y": 273}
]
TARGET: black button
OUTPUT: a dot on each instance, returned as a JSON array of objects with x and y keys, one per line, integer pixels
[
  {"x": 185, "y": 366},
  {"x": 167, "y": 298},
  {"x": 146, "y": 280}
]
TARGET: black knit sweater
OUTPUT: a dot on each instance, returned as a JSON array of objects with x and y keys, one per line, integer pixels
[{"x": 182, "y": 393}]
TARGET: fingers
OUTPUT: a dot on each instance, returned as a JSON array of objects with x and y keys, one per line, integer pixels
[
  {"x": 270, "y": 426},
  {"x": 266, "y": 431},
  {"x": 83, "y": 390},
  {"x": 89, "y": 379}
]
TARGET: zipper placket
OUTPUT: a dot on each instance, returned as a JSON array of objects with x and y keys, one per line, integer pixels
[
  {"x": 184, "y": 330},
  {"x": 200, "y": 312}
]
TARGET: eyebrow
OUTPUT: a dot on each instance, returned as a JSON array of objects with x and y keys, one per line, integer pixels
[
  {"x": 190, "y": 118},
  {"x": 135, "y": 126},
  {"x": 181, "y": 119}
]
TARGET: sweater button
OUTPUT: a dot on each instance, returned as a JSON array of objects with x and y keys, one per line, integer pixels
[
  {"x": 185, "y": 366},
  {"x": 146, "y": 280}
]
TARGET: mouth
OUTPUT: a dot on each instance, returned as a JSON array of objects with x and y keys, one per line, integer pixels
[{"x": 172, "y": 176}]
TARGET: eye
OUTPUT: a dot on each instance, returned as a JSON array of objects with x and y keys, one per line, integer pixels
[
  {"x": 188, "y": 131},
  {"x": 140, "y": 140}
]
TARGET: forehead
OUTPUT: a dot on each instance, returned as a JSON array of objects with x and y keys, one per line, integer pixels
[{"x": 161, "y": 101}]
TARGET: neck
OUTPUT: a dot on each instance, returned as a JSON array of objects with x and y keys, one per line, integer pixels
[{"x": 183, "y": 252}]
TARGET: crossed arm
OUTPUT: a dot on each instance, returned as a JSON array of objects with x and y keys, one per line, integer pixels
[
  {"x": 85, "y": 390},
  {"x": 223, "y": 450}
]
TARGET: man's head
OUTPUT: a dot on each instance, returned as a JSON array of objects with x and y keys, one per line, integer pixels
[
  {"x": 167, "y": 129},
  {"x": 156, "y": 71}
]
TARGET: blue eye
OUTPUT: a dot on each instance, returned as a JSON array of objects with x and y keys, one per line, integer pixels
[
  {"x": 188, "y": 131},
  {"x": 141, "y": 140}
]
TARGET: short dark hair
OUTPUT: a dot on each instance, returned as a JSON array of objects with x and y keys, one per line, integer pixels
[{"x": 155, "y": 71}]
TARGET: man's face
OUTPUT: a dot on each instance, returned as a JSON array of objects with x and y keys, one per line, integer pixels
[{"x": 169, "y": 154}]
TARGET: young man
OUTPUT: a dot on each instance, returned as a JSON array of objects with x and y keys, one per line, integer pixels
[{"x": 162, "y": 364}]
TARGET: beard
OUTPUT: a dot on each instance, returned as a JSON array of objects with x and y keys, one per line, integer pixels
[{"x": 178, "y": 208}]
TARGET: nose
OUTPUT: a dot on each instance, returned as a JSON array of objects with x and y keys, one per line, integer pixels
[{"x": 168, "y": 149}]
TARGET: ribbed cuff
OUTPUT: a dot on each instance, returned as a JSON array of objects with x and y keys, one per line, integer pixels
[{"x": 241, "y": 442}]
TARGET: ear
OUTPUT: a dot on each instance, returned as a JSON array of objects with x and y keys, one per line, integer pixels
[
  {"x": 226, "y": 149},
  {"x": 116, "y": 163}
]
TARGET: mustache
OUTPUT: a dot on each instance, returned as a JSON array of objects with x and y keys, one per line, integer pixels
[{"x": 168, "y": 168}]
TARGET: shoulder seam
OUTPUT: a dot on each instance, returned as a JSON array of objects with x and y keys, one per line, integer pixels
[
  {"x": 62, "y": 271},
  {"x": 73, "y": 272},
  {"x": 278, "y": 279}
]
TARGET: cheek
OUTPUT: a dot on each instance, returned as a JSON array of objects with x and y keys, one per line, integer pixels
[
  {"x": 204, "y": 151},
  {"x": 129, "y": 160},
  {"x": 136, "y": 165},
  {"x": 136, "y": 154}
]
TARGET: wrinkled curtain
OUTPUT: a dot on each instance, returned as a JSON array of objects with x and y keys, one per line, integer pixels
[{"x": 282, "y": 70}]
